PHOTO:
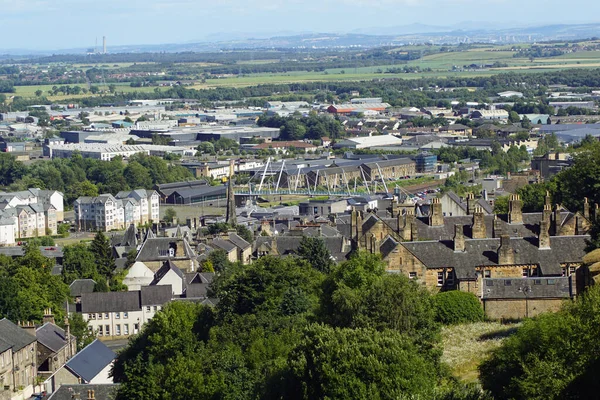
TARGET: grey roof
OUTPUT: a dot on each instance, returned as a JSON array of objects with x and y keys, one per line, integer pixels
[
  {"x": 14, "y": 335},
  {"x": 110, "y": 302},
  {"x": 79, "y": 286},
  {"x": 197, "y": 290},
  {"x": 484, "y": 252},
  {"x": 223, "y": 245},
  {"x": 47, "y": 251},
  {"x": 156, "y": 295},
  {"x": 4, "y": 346},
  {"x": 337, "y": 246},
  {"x": 238, "y": 241},
  {"x": 164, "y": 269},
  {"x": 130, "y": 237},
  {"x": 153, "y": 246},
  {"x": 91, "y": 360},
  {"x": 51, "y": 336},
  {"x": 101, "y": 391},
  {"x": 527, "y": 288}
]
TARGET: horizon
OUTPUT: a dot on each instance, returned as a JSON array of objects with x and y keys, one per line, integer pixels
[{"x": 163, "y": 22}]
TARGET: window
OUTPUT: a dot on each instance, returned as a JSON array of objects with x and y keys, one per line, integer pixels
[
  {"x": 551, "y": 281},
  {"x": 412, "y": 275},
  {"x": 125, "y": 315},
  {"x": 440, "y": 278},
  {"x": 489, "y": 283},
  {"x": 118, "y": 330},
  {"x": 487, "y": 273},
  {"x": 450, "y": 278},
  {"x": 118, "y": 315},
  {"x": 147, "y": 308},
  {"x": 564, "y": 271},
  {"x": 572, "y": 270},
  {"x": 106, "y": 316},
  {"x": 126, "y": 329},
  {"x": 507, "y": 282},
  {"x": 99, "y": 315},
  {"x": 100, "y": 333},
  {"x": 107, "y": 329},
  {"x": 525, "y": 272},
  {"x": 91, "y": 316},
  {"x": 155, "y": 308},
  {"x": 537, "y": 282}
]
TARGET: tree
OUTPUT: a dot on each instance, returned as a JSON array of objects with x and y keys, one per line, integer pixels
[
  {"x": 170, "y": 214},
  {"x": 137, "y": 176},
  {"x": 79, "y": 329},
  {"x": 38, "y": 93},
  {"x": 79, "y": 262},
  {"x": 513, "y": 117},
  {"x": 219, "y": 260},
  {"x": 501, "y": 205},
  {"x": 526, "y": 123},
  {"x": 102, "y": 251},
  {"x": 457, "y": 307},
  {"x": 337, "y": 363},
  {"x": 314, "y": 251},
  {"x": 555, "y": 356}
]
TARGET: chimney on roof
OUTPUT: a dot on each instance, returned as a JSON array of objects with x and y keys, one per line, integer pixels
[
  {"x": 515, "y": 215},
  {"x": 470, "y": 203},
  {"x": 409, "y": 219},
  {"x": 544, "y": 238},
  {"x": 436, "y": 217},
  {"x": 556, "y": 221},
  {"x": 459, "y": 238},
  {"x": 496, "y": 227},
  {"x": 91, "y": 395},
  {"x": 414, "y": 232},
  {"x": 506, "y": 254},
  {"x": 478, "y": 229},
  {"x": 547, "y": 214},
  {"x": 547, "y": 199},
  {"x": 48, "y": 316},
  {"x": 586, "y": 208}
]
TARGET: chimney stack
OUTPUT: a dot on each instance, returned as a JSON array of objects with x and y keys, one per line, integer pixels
[
  {"x": 547, "y": 199},
  {"x": 506, "y": 254},
  {"x": 436, "y": 217},
  {"x": 459, "y": 238},
  {"x": 547, "y": 214},
  {"x": 515, "y": 215},
  {"x": 478, "y": 229},
  {"x": 470, "y": 203},
  {"x": 414, "y": 233},
  {"x": 409, "y": 219},
  {"x": 544, "y": 238},
  {"x": 48, "y": 316},
  {"x": 556, "y": 221},
  {"x": 586, "y": 208},
  {"x": 496, "y": 227}
]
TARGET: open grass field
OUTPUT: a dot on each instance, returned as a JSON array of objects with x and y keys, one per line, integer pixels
[
  {"x": 440, "y": 65},
  {"x": 467, "y": 345}
]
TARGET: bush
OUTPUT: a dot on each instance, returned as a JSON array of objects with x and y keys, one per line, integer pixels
[{"x": 456, "y": 307}]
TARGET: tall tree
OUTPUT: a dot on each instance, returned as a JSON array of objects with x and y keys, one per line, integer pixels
[
  {"x": 316, "y": 253},
  {"x": 102, "y": 251}
]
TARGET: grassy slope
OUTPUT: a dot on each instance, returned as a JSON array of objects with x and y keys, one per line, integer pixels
[{"x": 466, "y": 346}]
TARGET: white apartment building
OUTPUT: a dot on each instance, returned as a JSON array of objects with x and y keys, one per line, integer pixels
[
  {"x": 29, "y": 213},
  {"x": 107, "y": 212}
]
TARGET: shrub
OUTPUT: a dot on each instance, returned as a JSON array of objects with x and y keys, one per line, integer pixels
[{"x": 456, "y": 307}]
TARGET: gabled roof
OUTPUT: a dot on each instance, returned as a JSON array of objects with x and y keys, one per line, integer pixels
[
  {"x": 79, "y": 286},
  {"x": 164, "y": 270},
  {"x": 101, "y": 391},
  {"x": 238, "y": 241},
  {"x": 130, "y": 237},
  {"x": 91, "y": 360},
  {"x": 156, "y": 295},
  {"x": 110, "y": 302},
  {"x": 152, "y": 247},
  {"x": 223, "y": 245},
  {"x": 51, "y": 336},
  {"x": 14, "y": 335}
]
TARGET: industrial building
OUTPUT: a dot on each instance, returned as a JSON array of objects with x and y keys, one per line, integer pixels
[{"x": 107, "y": 152}]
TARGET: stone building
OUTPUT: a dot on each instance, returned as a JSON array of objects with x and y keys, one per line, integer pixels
[{"x": 525, "y": 250}]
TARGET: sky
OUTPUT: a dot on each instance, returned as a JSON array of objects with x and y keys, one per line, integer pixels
[{"x": 64, "y": 24}]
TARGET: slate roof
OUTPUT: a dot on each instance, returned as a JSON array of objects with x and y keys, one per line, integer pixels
[
  {"x": 130, "y": 237},
  {"x": 223, "y": 245},
  {"x": 484, "y": 252},
  {"x": 527, "y": 288},
  {"x": 51, "y": 336},
  {"x": 80, "y": 286},
  {"x": 101, "y": 391},
  {"x": 156, "y": 295},
  {"x": 152, "y": 246},
  {"x": 238, "y": 241},
  {"x": 337, "y": 246},
  {"x": 14, "y": 335},
  {"x": 164, "y": 269},
  {"x": 91, "y": 360},
  {"x": 197, "y": 290},
  {"x": 4, "y": 346},
  {"x": 110, "y": 302}
]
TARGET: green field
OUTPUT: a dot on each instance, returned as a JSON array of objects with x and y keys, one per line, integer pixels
[{"x": 439, "y": 65}]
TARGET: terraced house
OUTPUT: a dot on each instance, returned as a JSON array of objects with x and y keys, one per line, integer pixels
[{"x": 518, "y": 264}]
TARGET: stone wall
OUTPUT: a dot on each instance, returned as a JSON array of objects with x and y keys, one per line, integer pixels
[{"x": 519, "y": 309}]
